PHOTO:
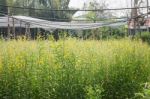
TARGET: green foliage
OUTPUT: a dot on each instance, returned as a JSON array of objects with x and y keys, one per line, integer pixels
[
  {"x": 39, "y": 4},
  {"x": 94, "y": 92},
  {"x": 3, "y": 9},
  {"x": 73, "y": 69},
  {"x": 98, "y": 15},
  {"x": 103, "y": 33},
  {"x": 145, "y": 36}
]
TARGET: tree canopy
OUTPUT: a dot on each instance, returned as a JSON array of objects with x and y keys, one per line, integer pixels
[
  {"x": 3, "y": 9},
  {"x": 47, "y": 5},
  {"x": 98, "y": 15}
]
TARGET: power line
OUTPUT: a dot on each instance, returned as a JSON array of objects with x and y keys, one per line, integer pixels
[
  {"x": 5, "y": 14},
  {"x": 71, "y": 19},
  {"x": 74, "y": 9}
]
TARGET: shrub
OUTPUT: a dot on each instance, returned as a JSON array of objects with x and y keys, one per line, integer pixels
[
  {"x": 73, "y": 69},
  {"x": 145, "y": 36}
]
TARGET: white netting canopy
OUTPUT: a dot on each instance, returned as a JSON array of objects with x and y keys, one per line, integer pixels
[{"x": 21, "y": 21}]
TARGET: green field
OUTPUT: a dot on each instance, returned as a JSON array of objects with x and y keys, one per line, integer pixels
[{"x": 73, "y": 69}]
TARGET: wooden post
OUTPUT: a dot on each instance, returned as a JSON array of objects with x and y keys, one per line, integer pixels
[
  {"x": 135, "y": 19},
  {"x": 26, "y": 30},
  {"x": 8, "y": 27},
  {"x": 29, "y": 32},
  {"x": 14, "y": 33},
  {"x": 20, "y": 28}
]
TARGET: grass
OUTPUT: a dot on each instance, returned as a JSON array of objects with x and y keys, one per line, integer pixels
[{"x": 74, "y": 69}]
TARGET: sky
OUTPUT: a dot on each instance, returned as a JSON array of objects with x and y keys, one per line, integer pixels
[
  {"x": 77, "y": 3},
  {"x": 111, "y": 4}
]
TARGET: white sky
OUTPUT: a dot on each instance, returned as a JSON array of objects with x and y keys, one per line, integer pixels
[
  {"x": 77, "y": 3},
  {"x": 111, "y": 4}
]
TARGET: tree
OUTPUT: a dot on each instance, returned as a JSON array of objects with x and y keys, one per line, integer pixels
[
  {"x": 97, "y": 15},
  {"x": 47, "y": 13},
  {"x": 3, "y": 9},
  {"x": 48, "y": 5},
  {"x": 134, "y": 12},
  {"x": 135, "y": 18},
  {"x": 57, "y": 4},
  {"x": 94, "y": 16}
]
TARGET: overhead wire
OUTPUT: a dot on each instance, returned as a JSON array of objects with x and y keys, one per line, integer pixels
[
  {"x": 73, "y": 9},
  {"x": 58, "y": 19},
  {"x": 67, "y": 20}
]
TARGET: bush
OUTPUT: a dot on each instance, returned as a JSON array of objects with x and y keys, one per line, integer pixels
[
  {"x": 73, "y": 69},
  {"x": 145, "y": 36}
]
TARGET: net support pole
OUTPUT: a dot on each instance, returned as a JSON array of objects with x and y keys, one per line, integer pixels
[
  {"x": 20, "y": 29},
  {"x": 14, "y": 33},
  {"x": 26, "y": 30},
  {"x": 135, "y": 19},
  {"x": 29, "y": 32},
  {"x": 8, "y": 28}
]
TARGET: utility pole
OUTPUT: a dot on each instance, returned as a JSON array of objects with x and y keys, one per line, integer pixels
[
  {"x": 127, "y": 28},
  {"x": 130, "y": 32},
  {"x": 134, "y": 15},
  {"x": 147, "y": 15},
  {"x": 131, "y": 3},
  {"x": 8, "y": 28}
]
